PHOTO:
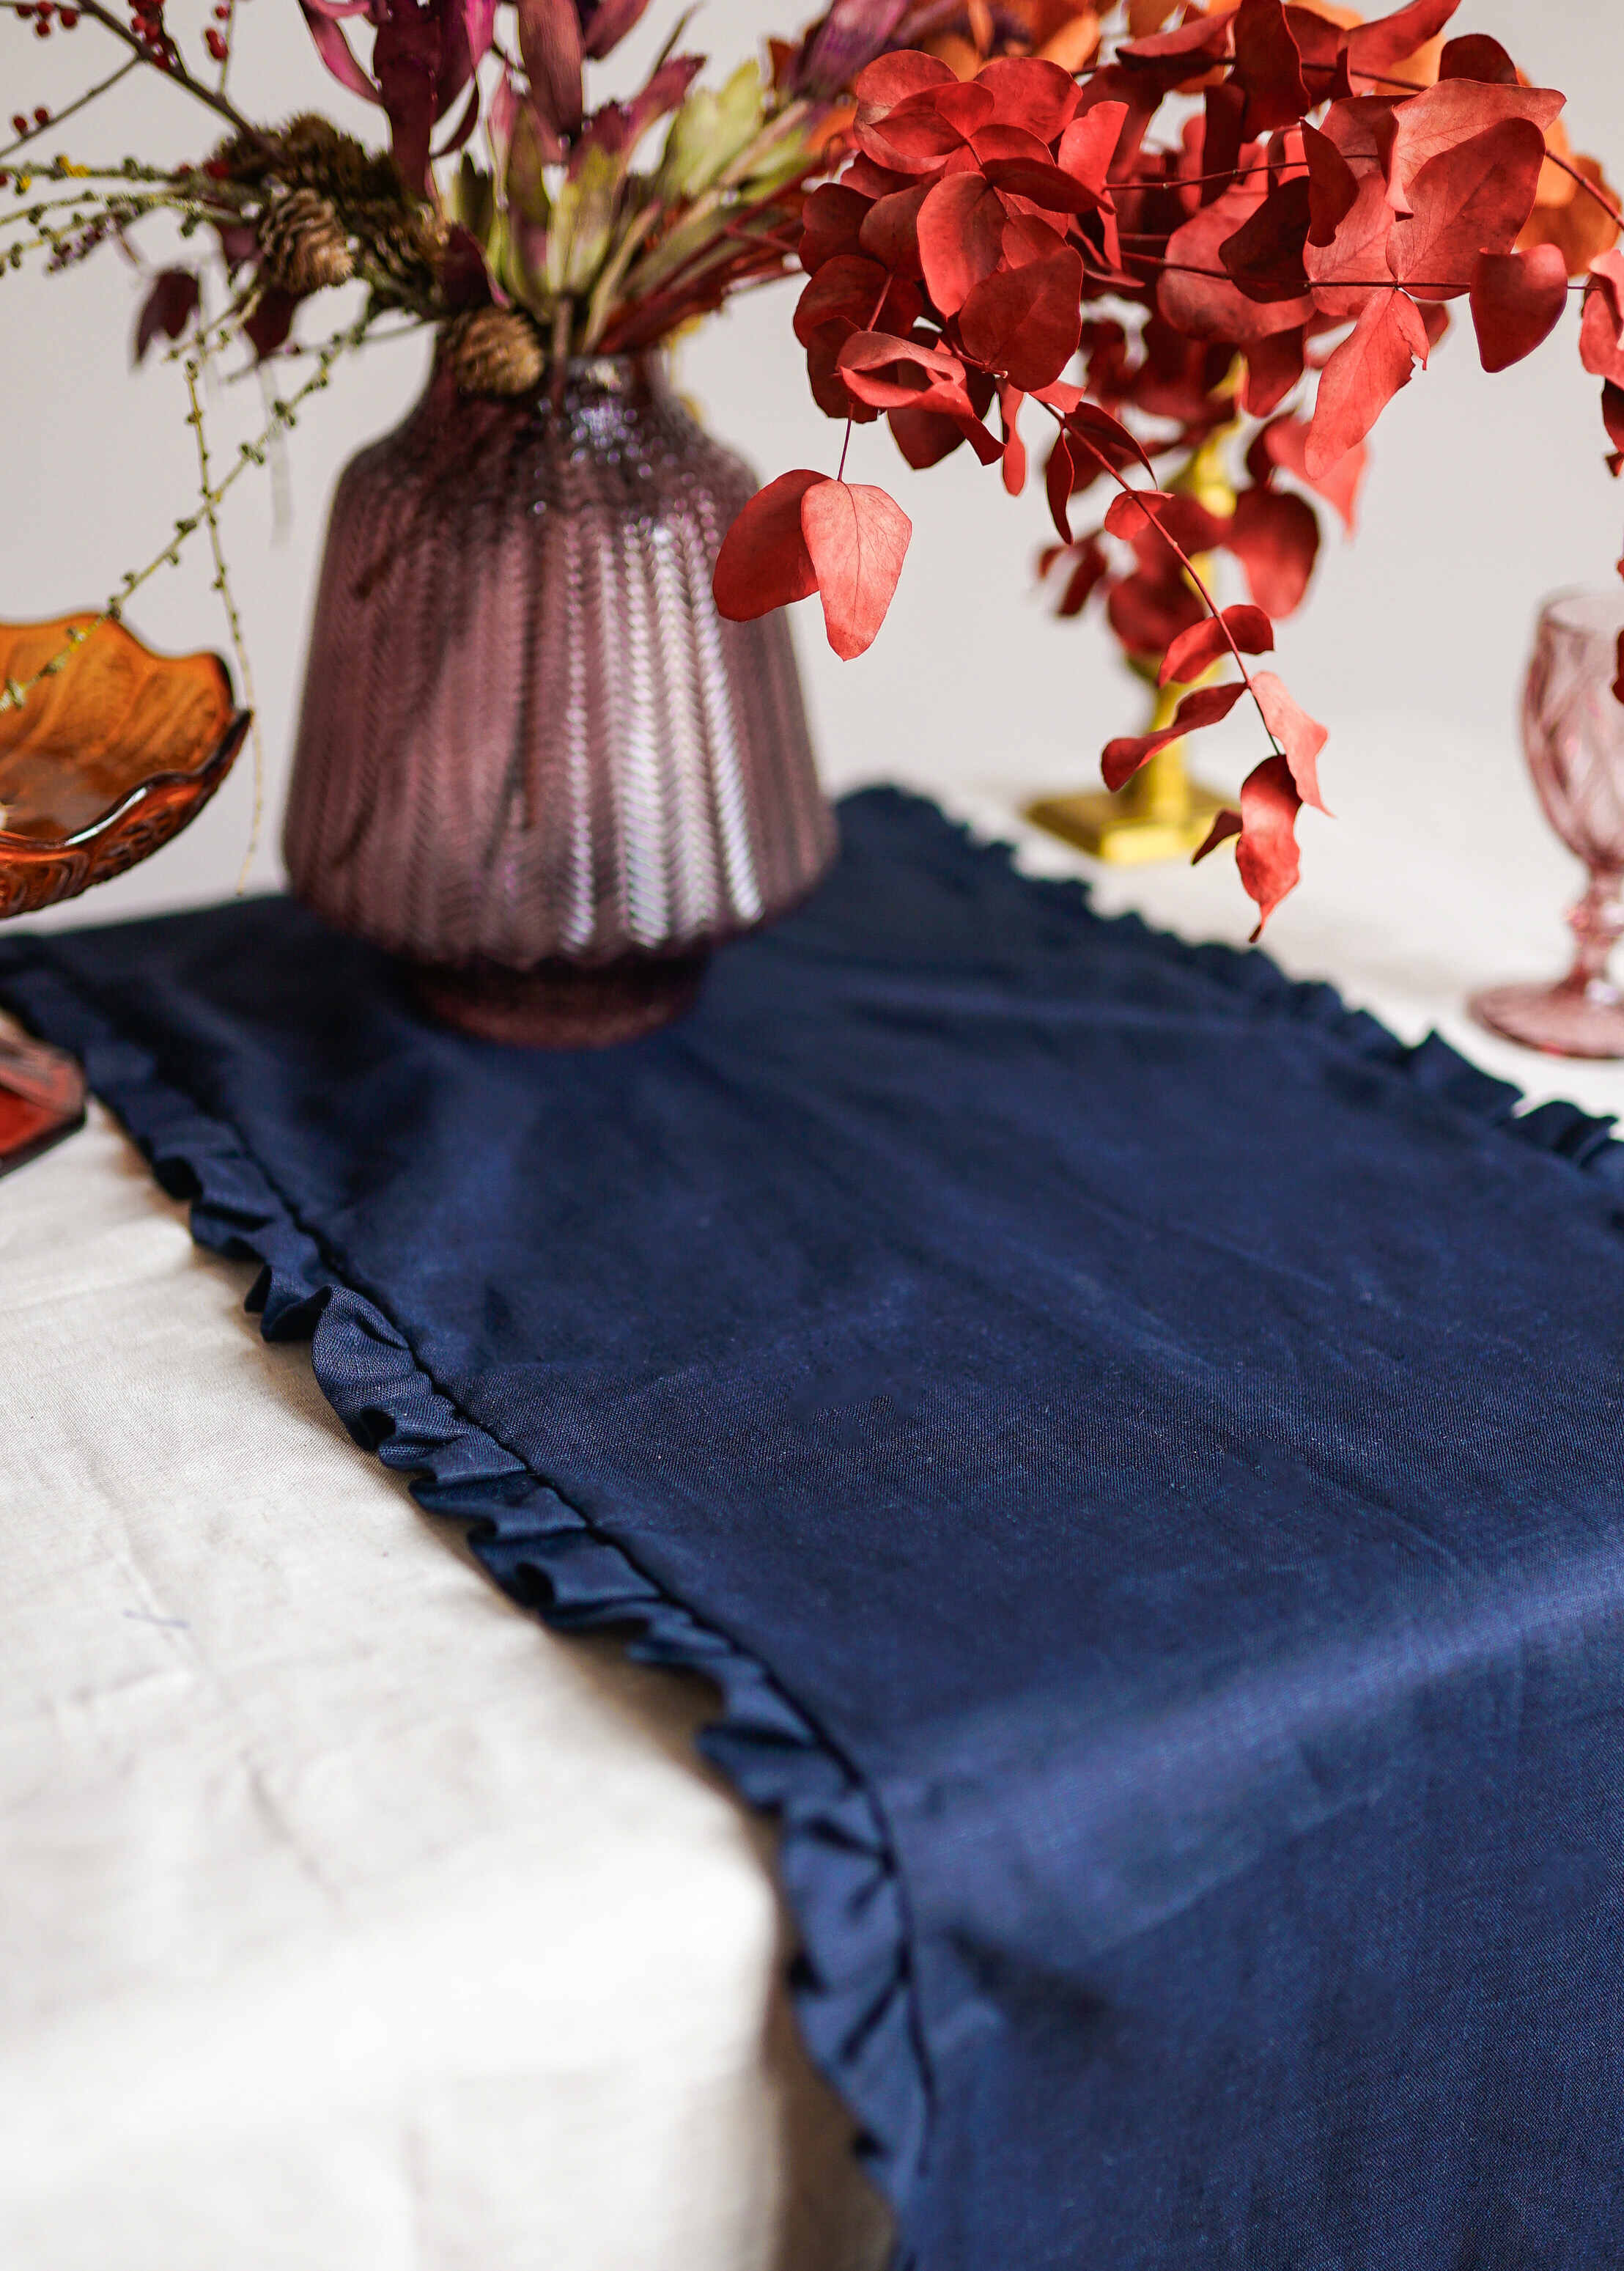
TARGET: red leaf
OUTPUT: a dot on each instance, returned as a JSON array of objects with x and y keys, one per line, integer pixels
[
  {"x": 1060, "y": 480},
  {"x": 917, "y": 371},
  {"x": 1109, "y": 436},
  {"x": 858, "y": 539},
  {"x": 267, "y": 329},
  {"x": 1198, "y": 297},
  {"x": 1284, "y": 445},
  {"x": 1266, "y": 255},
  {"x": 893, "y": 78},
  {"x": 1273, "y": 366},
  {"x": 1010, "y": 399},
  {"x": 889, "y": 232},
  {"x": 920, "y": 135},
  {"x": 1027, "y": 91},
  {"x": 1089, "y": 144},
  {"x": 1122, "y": 759},
  {"x": 1091, "y": 567},
  {"x": 1361, "y": 378},
  {"x": 1345, "y": 273},
  {"x": 1150, "y": 609},
  {"x": 1149, "y": 518},
  {"x": 764, "y": 562},
  {"x": 1197, "y": 650},
  {"x": 1203, "y": 39},
  {"x": 1454, "y": 112},
  {"x": 1275, "y": 537},
  {"x": 336, "y": 53},
  {"x": 848, "y": 288},
  {"x": 960, "y": 234},
  {"x": 1333, "y": 186},
  {"x": 1027, "y": 321},
  {"x": 168, "y": 307},
  {"x": 1301, "y": 736},
  {"x": 1612, "y": 414},
  {"x": 925, "y": 437},
  {"x": 1267, "y": 855},
  {"x": 1377, "y": 47},
  {"x": 1042, "y": 183},
  {"x": 1517, "y": 301},
  {"x": 1480, "y": 57},
  {"x": 1601, "y": 334},
  {"x": 1132, "y": 510},
  {"x": 611, "y": 22},
  {"x": 1472, "y": 197},
  {"x": 1225, "y": 825},
  {"x": 831, "y": 224},
  {"x": 1268, "y": 64},
  {"x": 551, "y": 44},
  {"x": 1026, "y": 239}
]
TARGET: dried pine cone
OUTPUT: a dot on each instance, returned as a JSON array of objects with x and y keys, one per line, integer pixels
[
  {"x": 400, "y": 242},
  {"x": 493, "y": 350},
  {"x": 303, "y": 245}
]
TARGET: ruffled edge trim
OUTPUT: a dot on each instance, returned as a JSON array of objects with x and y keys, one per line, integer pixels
[
  {"x": 852, "y": 1979},
  {"x": 1433, "y": 1065}
]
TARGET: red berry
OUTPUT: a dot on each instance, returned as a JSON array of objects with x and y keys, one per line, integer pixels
[
  {"x": 20, "y": 124},
  {"x": 41, "y": 30},
  {"x": 215, "y": 44},
  {"x": 223, "y": 13},
  {"x": 41, "y": 116},
  {"x": 68, "y": 19}
]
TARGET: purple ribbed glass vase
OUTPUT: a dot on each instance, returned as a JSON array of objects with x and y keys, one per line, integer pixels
[{"x": 532, "y": 760}]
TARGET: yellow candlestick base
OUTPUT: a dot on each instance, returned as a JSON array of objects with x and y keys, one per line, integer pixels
[{"x": 1161, "y": 814}]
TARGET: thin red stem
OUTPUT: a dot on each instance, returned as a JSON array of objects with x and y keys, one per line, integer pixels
[
  {"x": 1184, "y": 561},
  {"x": 1588, "y": 186},
  {"x": 170, "y": 65}
]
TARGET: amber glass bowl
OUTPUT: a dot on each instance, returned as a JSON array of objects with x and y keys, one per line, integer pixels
[{"x": 106, "y": 760}]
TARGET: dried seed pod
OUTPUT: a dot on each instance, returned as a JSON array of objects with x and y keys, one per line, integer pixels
[
  {"x": 494, "y": 351},
  {"x": 303, "y": 244}
]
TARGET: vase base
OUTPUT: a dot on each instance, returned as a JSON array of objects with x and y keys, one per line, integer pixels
[
  {"x": 565, "y": 1005},
  {"x": 1564, "y": 1021}
]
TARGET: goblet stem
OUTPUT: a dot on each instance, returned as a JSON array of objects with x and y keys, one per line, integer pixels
[{"x": 1598, "y": 924}]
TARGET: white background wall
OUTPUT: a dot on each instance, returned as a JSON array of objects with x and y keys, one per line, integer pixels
[{"x": 1486, "y": 494}]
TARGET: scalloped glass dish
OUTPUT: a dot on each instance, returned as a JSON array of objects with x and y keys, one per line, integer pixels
[{"x": 105, "y": 762}]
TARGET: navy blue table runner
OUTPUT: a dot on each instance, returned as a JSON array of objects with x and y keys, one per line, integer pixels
[{"x": 1139, "y": 1452}]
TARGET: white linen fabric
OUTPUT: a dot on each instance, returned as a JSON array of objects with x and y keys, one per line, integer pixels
[{"x": 353, "y": 1923}]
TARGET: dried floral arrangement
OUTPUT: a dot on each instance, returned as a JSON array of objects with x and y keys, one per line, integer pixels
[
  {"x": 1201, "y": 261},
  {"x": 1152, "y": 236}
]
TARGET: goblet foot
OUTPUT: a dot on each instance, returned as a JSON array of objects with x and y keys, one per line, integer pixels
[
  {"x": 42, "y": 1100},
  {"x": 1564, "y": 1021}
]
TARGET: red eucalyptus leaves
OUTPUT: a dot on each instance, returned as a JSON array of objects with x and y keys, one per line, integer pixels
[{"x": 1008, "y": 239}]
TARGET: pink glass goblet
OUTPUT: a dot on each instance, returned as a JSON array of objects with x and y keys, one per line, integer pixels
[{"x": 1573, "y": 730}]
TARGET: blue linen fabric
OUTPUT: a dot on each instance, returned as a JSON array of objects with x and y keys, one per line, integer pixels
[{"x": 1140, "y": 1454}]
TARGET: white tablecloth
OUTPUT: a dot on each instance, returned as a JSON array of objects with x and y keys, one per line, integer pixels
[{"x": 350, "y": 1923}]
